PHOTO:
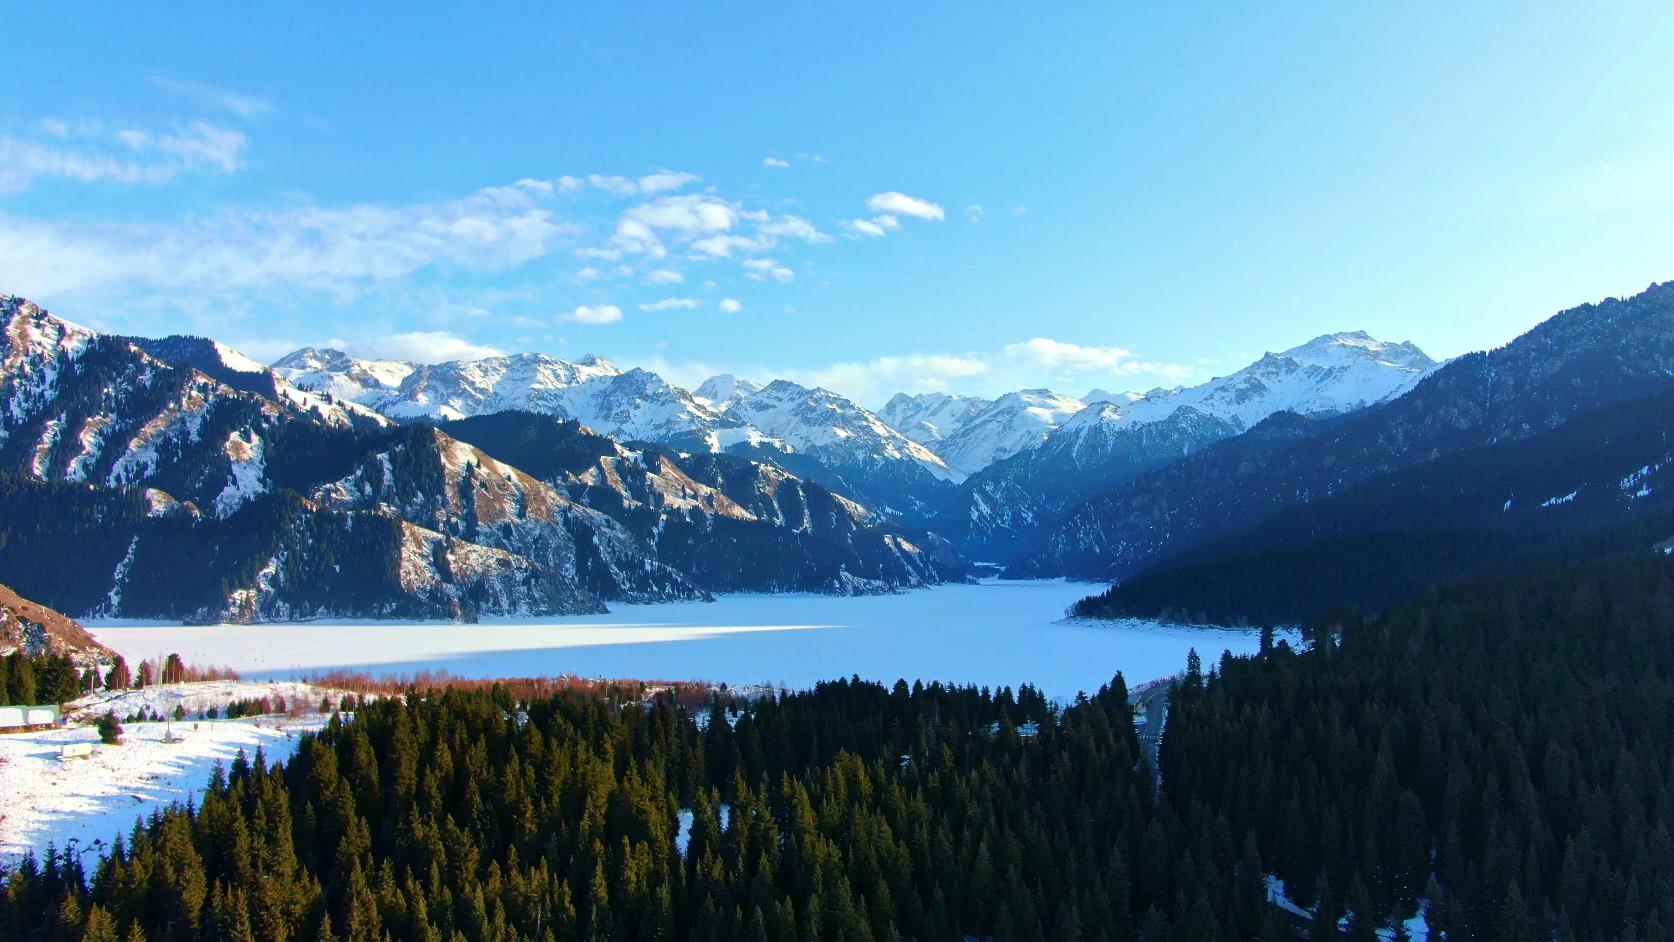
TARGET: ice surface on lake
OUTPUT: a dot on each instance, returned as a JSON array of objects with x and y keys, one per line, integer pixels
[{"x": 993, "y": 633}]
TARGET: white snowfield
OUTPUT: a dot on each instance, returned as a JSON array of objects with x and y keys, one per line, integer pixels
[
  {"x": 991, "y": 633},
  {"x": 55, "y": 800}
]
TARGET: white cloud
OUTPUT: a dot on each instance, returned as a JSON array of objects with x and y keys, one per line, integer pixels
[
  {"x": 341, "y": 249},
  {"x": 672, "y": 304},
  {"x": 1063, "y": 357},
  {"x": 722, "y": 246},
  {"x": 791, "y": 227},
  {"x": 90, "y": 152},
  {"x": 246, "y": 106},
  {"x": 974, "y": 212},
  {"x": 651, "y": 184},
  {"x": 664, "y": 276},
  {"x": 900, "y": 204},
  {"x": 775, "y": 163},
  {"x": 664, "y": 180},
  {"x": 760, "y": 269},
  {"x": 876, "y": 379},
  {"x": 730, "y": 306},
  {"x": 877, "y": 227},
  {"x": 426, "y": 346},
  {"x": 1056, "y": 354},
  {"x": 587, "y": 274},
  {"x": 596, "y": 314}
]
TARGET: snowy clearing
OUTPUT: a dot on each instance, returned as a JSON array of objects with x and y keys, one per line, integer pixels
[
  {"x": 992, "y": 633},
  {"x": 86, "y": 800}
]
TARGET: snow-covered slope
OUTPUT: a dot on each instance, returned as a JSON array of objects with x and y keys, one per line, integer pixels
[
  {"x": 1000, "y": 509},
  {"x": 819, "y": 421},
  {"x": 850, "y": 449},
  {"x": 1012, "y": 423},
  {"x": 928, "y": 418},
  {"x": 334, "y": 372},
  {"x": 1329, "y": 374}
]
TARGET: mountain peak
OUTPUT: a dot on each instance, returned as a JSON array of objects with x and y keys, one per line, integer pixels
[
  {"x": 724, "y": 389},
  {"x": 1344, "y": 347}
]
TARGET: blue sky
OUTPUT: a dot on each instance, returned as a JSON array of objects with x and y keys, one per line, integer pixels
[{"x": 873, "y": 197}]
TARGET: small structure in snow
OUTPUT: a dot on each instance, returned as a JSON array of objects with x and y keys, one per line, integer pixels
[
  {"x": 76, "y": 750},
  {"x": 24, "y": 717}
]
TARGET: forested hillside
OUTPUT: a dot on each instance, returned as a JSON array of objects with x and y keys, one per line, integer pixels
[
  {"x": 1374, "y": 772},
  {"x": 1501, "y": 750},
  {"x": 1594, "y": 486}
]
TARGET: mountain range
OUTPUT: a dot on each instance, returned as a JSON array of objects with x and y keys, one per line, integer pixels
[{"x": 330, "y": 485}]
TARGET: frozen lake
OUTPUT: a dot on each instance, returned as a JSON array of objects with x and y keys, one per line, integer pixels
[{"x": 993, "y": 633}]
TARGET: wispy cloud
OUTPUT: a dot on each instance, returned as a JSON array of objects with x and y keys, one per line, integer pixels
[
  {"x": 672, "y": 304},
  {"x": 775, "y": 163},
  {"x": 93, "y": 152},
  {"x": 730, "y": 306},
  {"x": 1053, "y": 354},
  {"x": 662, "y": 181},
  {"x": 241, "y": 104},
  {"x": 875, "y": 379},
  {"x": 877, "y": 227},
  {"x": 318, "y": 248},
  {"x": 1065, "y": 358},
  {"x": 761, "y": 269},
  {"x": 427, "y": 346}
]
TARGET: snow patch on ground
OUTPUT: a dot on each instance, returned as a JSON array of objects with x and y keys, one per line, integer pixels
[
  {"x": 84, "y": 801},
  {"x": 683, "y": 837}
]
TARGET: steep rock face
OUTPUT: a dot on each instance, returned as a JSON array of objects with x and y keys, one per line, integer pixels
[
  {"x": 863, "y": 456},
  {"x": 452, "y": 488},
  {"x": 35, "y": 629},
  {"x": 1578, "y": 360},
  {"x": 1001, "y": 511},
  {"x": 97, "y": 551},
  {"x": 144, "y": 465},
  {"x": 731, "y": 524},
  {"x": 92, "y": 409}
]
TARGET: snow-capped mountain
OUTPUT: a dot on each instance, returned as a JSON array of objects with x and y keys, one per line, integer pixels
[
  {"x": 1577, "y": 361},
  {"x": 335, "y": 373},
  {"x": 208, "y": 488},
  {"x": 868, "y": 458},
  {"x": 722, "y": 390},
  {"x": 928, "y": 418},
  {"x": 631, "y": 405},
  {"x": 1001, "y": 508},
  {"x": 1327, "y": 375},
  {"x": 221, "y": 362},
  {"x": 975, "y": 434}
]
